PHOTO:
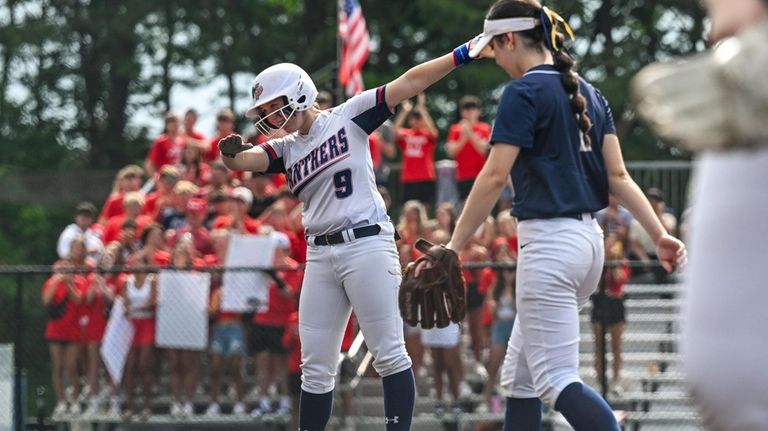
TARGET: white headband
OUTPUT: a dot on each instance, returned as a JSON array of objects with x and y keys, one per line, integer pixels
[{"x": 496, "y": 27}]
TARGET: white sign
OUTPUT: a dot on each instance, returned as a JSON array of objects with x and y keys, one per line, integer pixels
[
  {"x": 182, "y": 309},
  {"x": 6, "y": 387},
  {"x": 247, "y": 290},
  {"x": 117, "y": 341}
]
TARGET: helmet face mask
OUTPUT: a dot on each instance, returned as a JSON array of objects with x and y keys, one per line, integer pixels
[{"x": 265, "y": 124}]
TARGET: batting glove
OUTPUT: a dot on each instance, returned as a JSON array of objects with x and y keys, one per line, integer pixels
[{"x": 233, "y": 144}]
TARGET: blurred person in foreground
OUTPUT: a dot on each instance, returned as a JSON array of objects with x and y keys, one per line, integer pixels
[{"x": 716, "y": 104}]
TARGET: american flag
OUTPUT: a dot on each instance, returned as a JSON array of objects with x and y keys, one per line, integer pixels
[{"x": 354, "y": 48}]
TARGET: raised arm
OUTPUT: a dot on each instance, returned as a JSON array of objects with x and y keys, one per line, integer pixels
[
  {"x": 421, "y": 102},
  {"x": 418, "y": 78}
]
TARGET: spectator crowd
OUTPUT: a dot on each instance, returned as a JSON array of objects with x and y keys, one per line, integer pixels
[{"x": 179, "y": 211}]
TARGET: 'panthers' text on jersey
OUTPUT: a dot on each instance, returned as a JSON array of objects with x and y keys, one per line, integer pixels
[{"x": 330, "y": 169}]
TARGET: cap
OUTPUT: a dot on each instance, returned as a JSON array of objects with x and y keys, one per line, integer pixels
[
  {"x": 243, "y": 194},
  {"x": 496, "y": 27},
  {"x": 86, "y": 208},
  {"x": 654, "y": 193},
  {"x": 197, "y": 206}
]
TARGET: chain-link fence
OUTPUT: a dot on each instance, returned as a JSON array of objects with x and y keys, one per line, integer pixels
[{"x": 218, "y": 348}]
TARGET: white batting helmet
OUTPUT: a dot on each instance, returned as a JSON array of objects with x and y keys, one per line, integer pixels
[{"x": 283, "y": 80}]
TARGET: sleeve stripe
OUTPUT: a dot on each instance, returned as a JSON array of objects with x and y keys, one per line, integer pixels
[
  {"x": 270, "y": 152},
  {"x": 380, "y": 95}
]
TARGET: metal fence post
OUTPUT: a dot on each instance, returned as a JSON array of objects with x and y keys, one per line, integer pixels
[{"x": 18, "y": 353}]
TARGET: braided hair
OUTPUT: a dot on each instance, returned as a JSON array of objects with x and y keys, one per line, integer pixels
[{"x": 546, "y": 36}]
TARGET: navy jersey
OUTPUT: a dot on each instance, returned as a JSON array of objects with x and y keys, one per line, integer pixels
[{"x": 555, "y": 173}]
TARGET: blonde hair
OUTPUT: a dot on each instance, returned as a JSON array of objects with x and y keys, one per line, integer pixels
[
  {"x": 133, "y": 198},
  {"x": 122, "y": 173},
  {"x": 185, "y": 186},
  {"x": 414, "y": 205}
]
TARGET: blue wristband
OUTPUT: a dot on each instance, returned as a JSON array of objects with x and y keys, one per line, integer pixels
[{"x": 461, "y": 55}]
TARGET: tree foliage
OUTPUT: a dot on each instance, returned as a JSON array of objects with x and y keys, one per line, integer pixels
[{"x": 74, "y": 72}]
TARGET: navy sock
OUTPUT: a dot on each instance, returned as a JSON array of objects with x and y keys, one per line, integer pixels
[
  {"x": 523, "y": 414},
  {"x": 399, "y": 398},
  {"x": 585, "y": 409},
  {"x": 315, "y": 410}
]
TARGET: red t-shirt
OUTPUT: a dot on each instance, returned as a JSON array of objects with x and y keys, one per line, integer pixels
[
  {"x": 113, "y": 206},
  {"x": 67, "y": 327},
  {"x": 96, "y": 310},
  {"x": 280, "y": 307},
  {"x": 227, "y": 221},
  {"x": 165, "y": 151},
  {"x": 153, "y": 203},
  {"x": 614, "y": 286},
  {"x": 374, "y": 142},
  {"x": 114, "y": 224},
  {"x": 213, "y": 149},
  {"x": 418, "y": 147},
  {"x": 469, "y": 161}
]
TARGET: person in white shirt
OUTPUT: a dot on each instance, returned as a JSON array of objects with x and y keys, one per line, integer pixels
[{"x": 85, "y": 216}]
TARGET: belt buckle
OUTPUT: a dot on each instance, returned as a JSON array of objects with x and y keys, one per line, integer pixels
[{"x": 328, "y": 238}]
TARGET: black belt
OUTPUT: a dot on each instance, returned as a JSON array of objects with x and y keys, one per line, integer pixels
[
  {"x": 338, "y": 237},
  {"x": 575, "y": 216},
  {"x": 578, "y": 216}
]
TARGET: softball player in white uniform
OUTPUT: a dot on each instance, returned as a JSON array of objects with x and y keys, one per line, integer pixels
[
  {"x": 352, "y": 260},
  {"x": 723, "y": 342},
  {"x": 555, "y": 134}
]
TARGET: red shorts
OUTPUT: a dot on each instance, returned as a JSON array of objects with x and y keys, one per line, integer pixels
[
  {"x": 95, "y": 332},
  {"x": 63, "y": 330},
  {"x": 144, "y": 334}
]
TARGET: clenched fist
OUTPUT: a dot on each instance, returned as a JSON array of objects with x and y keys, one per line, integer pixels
[{"x": 233, "y": 144}]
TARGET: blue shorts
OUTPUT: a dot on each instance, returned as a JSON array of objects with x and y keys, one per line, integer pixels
[
  {"x": 228, "y": 340},
  {"x": 501, "y": 330}
]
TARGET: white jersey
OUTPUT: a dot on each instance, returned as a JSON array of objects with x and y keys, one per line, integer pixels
[{"x": 330, "y": 169}]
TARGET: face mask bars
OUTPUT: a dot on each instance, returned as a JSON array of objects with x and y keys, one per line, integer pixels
[{"x": 266, "y": 128}]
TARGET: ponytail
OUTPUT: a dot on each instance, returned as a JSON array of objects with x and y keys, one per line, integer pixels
[{"x": 564, "y": 64}]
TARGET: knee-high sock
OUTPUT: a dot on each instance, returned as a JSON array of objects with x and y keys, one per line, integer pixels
[
  {"x": 523, "y": 414},
  {"x": 399, "y": 398},
  {"x": 315, "y": 410},
  {"x": 585, "y": 409}
]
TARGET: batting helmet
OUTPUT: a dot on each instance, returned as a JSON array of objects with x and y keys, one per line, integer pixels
[{"x": 283, "y": 80}]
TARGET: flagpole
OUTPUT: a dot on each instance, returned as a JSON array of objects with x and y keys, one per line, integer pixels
[{"x": 338, "y": 90}]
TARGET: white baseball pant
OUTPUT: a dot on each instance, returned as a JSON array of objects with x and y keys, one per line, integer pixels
[
  {"x": 560, "y": 261},
  {"x": 724, "y": 319},
  {"x": 363, "y": 275}
]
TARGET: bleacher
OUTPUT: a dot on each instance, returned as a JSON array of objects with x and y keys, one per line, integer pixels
[{"x": 653, "y": 396}]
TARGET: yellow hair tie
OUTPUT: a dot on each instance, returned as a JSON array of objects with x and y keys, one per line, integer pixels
[{"x": 555, "y": 19}]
